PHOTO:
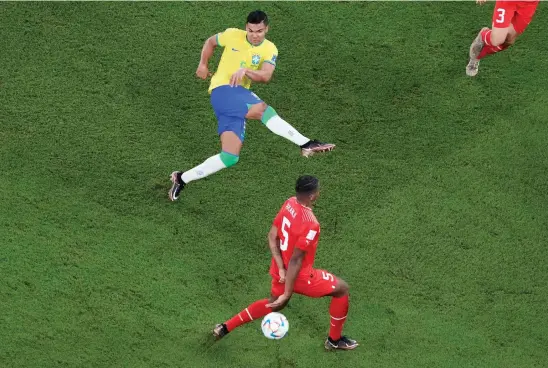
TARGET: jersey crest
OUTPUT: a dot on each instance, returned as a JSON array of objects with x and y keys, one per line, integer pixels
[{"x": 255, "y": 59}]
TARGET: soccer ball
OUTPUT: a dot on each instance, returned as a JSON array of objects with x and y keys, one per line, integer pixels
[{"x": 274, "y": 325}]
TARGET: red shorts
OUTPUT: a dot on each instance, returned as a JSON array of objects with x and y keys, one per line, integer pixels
[
  {"x": 517, "y": 13},
  {"x": 320, "y": 283}
]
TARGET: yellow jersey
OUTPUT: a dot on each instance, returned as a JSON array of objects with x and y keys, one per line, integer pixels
[{"x": 240, "y": 53}]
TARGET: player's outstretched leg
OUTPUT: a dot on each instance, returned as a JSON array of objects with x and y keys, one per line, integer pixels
[
  {"x": 270, "y": 118},
  {"x": 229, "y": 156},
  {"x": 254, "y": 311},
  {"x": 213, "y": 164},
  {"x": 338, "y": 310}
]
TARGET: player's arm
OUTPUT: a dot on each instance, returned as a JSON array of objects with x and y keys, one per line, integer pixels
[
  {"x": 208, "y": 49},
  {"x": 263, "y": 75},
  {"x": 207, "y": 52},
  {"x": 274, "y": 244},
  {"x": 293, "y": 269}
]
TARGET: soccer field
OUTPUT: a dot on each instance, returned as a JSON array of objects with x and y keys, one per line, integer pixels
[{"x": 433, "y": 209}]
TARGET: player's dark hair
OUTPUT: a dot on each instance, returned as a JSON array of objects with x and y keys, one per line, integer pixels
[
  {"x": 257, "y": 16},
  {"x": 307, "y": 184}
]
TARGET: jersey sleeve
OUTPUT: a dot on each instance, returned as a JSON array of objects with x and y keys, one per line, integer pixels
[
  {"x": 308, "y": 235},
  {"x": 226, "y": 37},
  {"x": 271, "y": 56},
  {"x": 278, "y": 219}
]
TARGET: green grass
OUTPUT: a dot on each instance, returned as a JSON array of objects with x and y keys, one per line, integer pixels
[{"x": 433, "y": 208}]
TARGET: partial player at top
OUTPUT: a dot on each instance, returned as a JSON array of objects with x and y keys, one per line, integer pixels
[{"x": 510, "y": 19}]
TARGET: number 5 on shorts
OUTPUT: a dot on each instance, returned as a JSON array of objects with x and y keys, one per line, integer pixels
[
  {"x": 327, "y": 276},
  {"x": 500, "y": 12}
]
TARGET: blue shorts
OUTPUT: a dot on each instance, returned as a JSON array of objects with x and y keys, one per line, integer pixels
[{"x": 231, "y": 105}]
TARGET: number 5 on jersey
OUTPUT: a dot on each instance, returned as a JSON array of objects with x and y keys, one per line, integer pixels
[
  {"x": 283, "y": 242},
  {"x": 285, "y": 235}
]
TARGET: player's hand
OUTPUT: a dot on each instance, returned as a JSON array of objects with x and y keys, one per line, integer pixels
[
  {"x": 237, "y": 77},
  {"x": 281, "y": 273},
  {"x": 481, "y": 2},
  {"x": 280, "y": 302},
  {"x": 202, "y": 72}
]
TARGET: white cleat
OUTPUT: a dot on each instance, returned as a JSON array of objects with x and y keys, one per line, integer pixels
[
  {"x": 475, "y": 49},
  {"x": 472, "y": 68}
]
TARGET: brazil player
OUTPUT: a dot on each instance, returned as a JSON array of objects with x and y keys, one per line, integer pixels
[
  {"x": 510, "y": 19},
  {"x": 293, "y": 239},
  {"x": 247, "y": 57}
]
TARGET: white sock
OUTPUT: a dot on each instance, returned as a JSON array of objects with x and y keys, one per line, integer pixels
[
  {"x": 281, "y": 127},
  {"x": 208, "y": 167}
]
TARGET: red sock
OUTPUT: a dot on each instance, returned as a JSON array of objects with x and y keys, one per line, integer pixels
[
  {"x": 338, "y": 309},
  {"x": 252, "y": 312},
  {"x": 486, "y": 37},
  {"x": 488, "y": 48}
]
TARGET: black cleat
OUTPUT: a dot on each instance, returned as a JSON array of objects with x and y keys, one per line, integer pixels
[
  {"x": 178, "y": 185},
  {"x": 220, "y": 331},
  {"x": 314, "y": 146},
  {"x": 344, "y": 343}
]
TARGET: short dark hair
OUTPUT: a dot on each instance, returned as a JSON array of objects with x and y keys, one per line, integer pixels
[
  {"x": 307, "y": 184},
  {"x": 257, "y": 16}
]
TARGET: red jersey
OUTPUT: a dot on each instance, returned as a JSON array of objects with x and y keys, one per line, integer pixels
[{"x": 297, "y": 227}]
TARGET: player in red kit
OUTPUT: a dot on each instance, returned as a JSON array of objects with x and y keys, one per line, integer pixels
[
  {"x": 510, "y": 19},
  {"x": 293, "y": 239}
]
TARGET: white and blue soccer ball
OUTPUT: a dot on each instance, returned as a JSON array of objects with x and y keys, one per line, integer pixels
[{"x": 274, "y": 325}]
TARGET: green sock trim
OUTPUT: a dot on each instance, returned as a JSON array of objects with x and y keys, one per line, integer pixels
[
  {"x": 268, "y": 114},
  {"x": 229, "y": 159}
]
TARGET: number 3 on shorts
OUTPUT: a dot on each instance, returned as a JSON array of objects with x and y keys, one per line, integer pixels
[{"x": 500, "y": 12}]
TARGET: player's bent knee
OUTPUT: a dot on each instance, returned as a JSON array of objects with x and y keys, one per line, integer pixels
[
  {"x": 498, "y": 36},
  {"x": 510, "y": 41},
  {"x": 229, "y": 159},
  {"x": 268, "y": 113},
  {"x": 256, "y": 111},
  {"x": 511, "y": 36},
  {"x": 342, "y": 289}
]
